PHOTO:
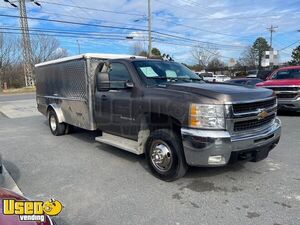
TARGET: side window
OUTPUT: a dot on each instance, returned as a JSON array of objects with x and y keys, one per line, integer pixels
[{"x": 118, "y": 72}]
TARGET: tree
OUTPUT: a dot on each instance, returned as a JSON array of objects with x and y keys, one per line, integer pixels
[
  {"x": 11, "y": 64},
  {"x": 248, "y": 57},
  {"x": 295, "y": 57},
  {"x": 204, "y": 54},
  {"x": 138, "y": 49},
  {"x": 259, "y": 47},
  {"x": 46, "y": 48},
  {"x": 155, "y": 52},
  {"x": 215, "y": 65},
  {"x": 9, "y": 55}
]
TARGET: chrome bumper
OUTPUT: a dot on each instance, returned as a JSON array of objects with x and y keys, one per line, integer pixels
[
  {"x": 200, "y": 146},
  {"x": 292, "y": 104}
]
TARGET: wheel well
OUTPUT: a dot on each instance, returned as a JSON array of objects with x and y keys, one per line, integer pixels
[
  {"x": 49, "y": 108},
  {"x": 58, "y": 112},
  {"x": 161, "y": 121}
]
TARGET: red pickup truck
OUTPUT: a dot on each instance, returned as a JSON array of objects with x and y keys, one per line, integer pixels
[{"x": 285, "y": 82}]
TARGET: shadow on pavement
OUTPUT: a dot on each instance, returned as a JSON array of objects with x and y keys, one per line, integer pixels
[
  {"x": 12, "y": 169},
  {"x": 288, "y": 113}
]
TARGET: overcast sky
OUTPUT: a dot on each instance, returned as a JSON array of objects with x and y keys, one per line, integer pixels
[{"x": 226, "y": 25}]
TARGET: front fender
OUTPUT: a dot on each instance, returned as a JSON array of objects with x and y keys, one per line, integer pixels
[{"x": 59, "y": 113}]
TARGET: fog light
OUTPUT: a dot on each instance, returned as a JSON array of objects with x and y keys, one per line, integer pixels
[{"x": 216, "y": 160}]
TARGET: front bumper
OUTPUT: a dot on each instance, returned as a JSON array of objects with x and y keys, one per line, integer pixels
[
  {"x": 290, "y": 104},
  {"x": 201, "y": 146}
]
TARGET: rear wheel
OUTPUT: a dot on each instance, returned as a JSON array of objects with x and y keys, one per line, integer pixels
[
  {"x": 56, "y": 128},
  {"x": 165, "y": 156}
]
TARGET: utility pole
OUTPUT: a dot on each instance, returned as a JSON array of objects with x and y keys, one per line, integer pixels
[
  {"x": 149, "y": 29},
  {"x": 272, "y": 29},
  {"x": 26, "y": 46}
]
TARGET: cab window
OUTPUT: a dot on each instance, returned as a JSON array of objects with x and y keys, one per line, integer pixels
[{"x": 118, "y": 72}]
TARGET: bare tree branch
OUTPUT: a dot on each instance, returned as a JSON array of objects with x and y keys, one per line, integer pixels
[{"x": 204, "y": 54}]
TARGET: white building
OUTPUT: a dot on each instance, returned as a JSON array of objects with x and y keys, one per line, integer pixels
[{"x": 270, "y": 58}]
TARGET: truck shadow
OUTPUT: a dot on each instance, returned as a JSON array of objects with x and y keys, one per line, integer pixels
[
  {"x": 193, "y": 172},
  {"x": 89, "y": 136},
  {"x": 198, "y": 172},
  {"x": 288, "y": 113}
]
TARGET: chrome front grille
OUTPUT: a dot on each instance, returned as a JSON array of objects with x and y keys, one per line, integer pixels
[
  {"x": 247, "y": 117},
  {"x": 252, "y": 124},
  {"x": 284, "y": 88},
  {"x": 286, "y": 92},
  {"x": 253, "y": 106},
  {"x": 286, "y": 95}
]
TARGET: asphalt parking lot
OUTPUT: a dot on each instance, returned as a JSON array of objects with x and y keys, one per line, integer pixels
[{"x": 99, "y": 184}]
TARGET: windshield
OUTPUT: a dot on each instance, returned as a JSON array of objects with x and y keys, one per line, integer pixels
[
  {"x": 161, "y": 72},
  {"x": 287, "y": 74}
]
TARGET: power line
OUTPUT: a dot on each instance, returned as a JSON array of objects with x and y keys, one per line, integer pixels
[
  {"x": 92, "y": 9},
  {"x": 213, "y": 18},
  {"x": 76, "y": 23},
  {"x": 76, "y": 34},
  {"x": 289, "y": 45},
  {"x": 65, "y": 35},
  {"x": 128, "y": 28},
  {"x": 85, "y": 18}
]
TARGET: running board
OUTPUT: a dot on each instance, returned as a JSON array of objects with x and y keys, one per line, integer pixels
[{"x": 120, "y": 142}]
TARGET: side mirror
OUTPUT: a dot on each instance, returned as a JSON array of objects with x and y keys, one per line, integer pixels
[{"x": 103, "y": 83}]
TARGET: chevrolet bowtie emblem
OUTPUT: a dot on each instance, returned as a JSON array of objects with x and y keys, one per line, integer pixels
[{"x": 262, "y": 114}]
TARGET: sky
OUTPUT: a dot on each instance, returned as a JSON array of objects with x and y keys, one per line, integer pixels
[{"x": 102, "y": 26}]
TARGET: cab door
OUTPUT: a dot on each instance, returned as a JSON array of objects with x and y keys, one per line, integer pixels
[{"x": 113, "y": 99}]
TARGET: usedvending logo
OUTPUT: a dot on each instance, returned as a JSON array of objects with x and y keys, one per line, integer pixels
[{"x": 31, "y": 210}]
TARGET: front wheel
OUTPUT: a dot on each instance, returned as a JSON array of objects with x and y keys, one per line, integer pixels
[
  {"x": 165, "y": 156},
  {"x": 56, "y": 128}
]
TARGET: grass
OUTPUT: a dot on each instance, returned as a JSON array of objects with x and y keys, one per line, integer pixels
[{"x": 18, "y": 90}]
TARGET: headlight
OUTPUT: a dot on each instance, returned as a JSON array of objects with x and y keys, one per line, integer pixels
[{"x": 207, "y": 116}]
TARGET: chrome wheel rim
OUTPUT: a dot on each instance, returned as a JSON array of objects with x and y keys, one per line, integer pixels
[
  {"x": 161, "y": 156},
  {"x": 52, "y": 123}
]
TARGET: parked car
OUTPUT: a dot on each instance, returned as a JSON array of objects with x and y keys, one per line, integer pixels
[
  {"x": 245, "y": 81},
  {"x": 210, "y": 77},
  {"x": 252, "y": 73},
  {"x": 207, "y": 76},
  {"x": 14, "y": 219},
  {"x": 252, "y": 76},
  {"x": 285, "y": 82},
  {"x": 199, "y": 75},
  {"x": 263, "y": 74},
  {"x": 160, "y": 109},
  {"x": 221, "y": 78}
]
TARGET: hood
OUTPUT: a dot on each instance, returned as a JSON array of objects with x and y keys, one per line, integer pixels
[
  {"x": 286, "y": 82},
  {"x": 221, "y": 92}
]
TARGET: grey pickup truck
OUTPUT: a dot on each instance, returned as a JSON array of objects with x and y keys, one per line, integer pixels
[{"x": 160, "y": 109}]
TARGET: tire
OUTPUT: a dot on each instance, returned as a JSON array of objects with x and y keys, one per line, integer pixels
[
  {"x": 69, "y": 128},
  {"x": 56, "y": 128},
  {"x": 164, "y": 154}
]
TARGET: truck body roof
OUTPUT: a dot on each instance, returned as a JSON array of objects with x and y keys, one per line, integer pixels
[{"x": 89, "y": 55}]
